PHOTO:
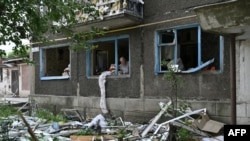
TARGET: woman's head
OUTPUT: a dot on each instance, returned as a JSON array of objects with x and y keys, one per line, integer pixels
[{"x": 123, "y": 60}]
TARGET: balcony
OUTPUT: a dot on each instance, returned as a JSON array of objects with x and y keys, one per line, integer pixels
[
  {"x": 113, "y": 14},
  {"x": 231, "y": 17}
]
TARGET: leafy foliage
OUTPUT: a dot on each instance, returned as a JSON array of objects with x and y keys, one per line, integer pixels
[
  {"x": 7, "y": 110},
  {"x": 45, "y": 114},
  {"x": 36, "y": 19},
  {"x": 84, "y": 132},
  {"x": 183, "y": 134}
]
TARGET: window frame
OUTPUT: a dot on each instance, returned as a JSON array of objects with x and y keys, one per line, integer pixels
[
  {"x": 199, "y": 47},
  {"x": 115, "y": 39},
  {"x": 42, "y": 77}
]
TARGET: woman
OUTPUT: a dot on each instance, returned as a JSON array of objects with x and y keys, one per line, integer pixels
[{"x": 124, "y": 66}]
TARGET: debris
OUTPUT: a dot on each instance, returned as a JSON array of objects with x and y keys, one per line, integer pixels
[
  {"x": 101, "y": 127},
  {"x": 156, "y": 118},
  {"x": 180, "y": 117},
  {"x": 33, "y": 136},
  {"x": 72, "y": 114},
  {"x": 190, "y": 128},
  {"x": 206, "y": 124},
  {"x": 99, "y": 120},
  {"x": 218, "y": 138}
]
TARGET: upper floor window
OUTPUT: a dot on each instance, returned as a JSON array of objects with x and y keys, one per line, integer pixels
[
  {"x": 111, "y": 54},
  {"x": 55, "y": 62},
  {"x": 188, "y": 49}
]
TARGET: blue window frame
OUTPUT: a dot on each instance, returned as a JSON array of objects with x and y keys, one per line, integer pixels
[
  {"x": 188, "y": 49},
  {"x": 107, "y": 56},
  {"x": 55, "y": 62}
]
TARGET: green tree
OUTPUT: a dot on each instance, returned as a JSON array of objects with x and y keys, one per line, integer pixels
[{"x": 33, "y": 19}]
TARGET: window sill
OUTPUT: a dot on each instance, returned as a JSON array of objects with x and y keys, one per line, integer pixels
[
  {"x": 55, "y": 77},
  {"x": 110, "y": 76},
  {"x": 203, "y": 72}
]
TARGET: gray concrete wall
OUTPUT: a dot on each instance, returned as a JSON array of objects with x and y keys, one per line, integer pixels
[
  {"x": 130, "y": 109},
  {"x": 243, "y": 77}
]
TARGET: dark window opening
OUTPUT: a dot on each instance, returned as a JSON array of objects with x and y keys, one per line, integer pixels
[
  {"x": 103, "y": 56},
  {"x": 55, "y": 61},
  {"x": 107, "y": 55},
  {"x": 167, "y": 37},
  {"x": 188, "y": 47},
  {"x": 211, "y": 49}
]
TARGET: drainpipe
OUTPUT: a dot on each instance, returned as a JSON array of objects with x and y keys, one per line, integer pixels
[{"x": 233, "y": 79}]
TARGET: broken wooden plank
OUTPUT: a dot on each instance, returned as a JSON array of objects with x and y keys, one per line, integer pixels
[{"x": 33, "y": 136}]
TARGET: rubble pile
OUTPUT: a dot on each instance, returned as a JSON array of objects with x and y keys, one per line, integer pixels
[{"x": 188, "y": 125}]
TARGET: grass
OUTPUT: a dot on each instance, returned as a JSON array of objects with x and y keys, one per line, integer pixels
[
  {"x": 49, "y": 116},
  {"x": 7, "y": 110}
]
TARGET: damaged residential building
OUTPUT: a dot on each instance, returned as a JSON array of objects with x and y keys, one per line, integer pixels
[{"x": 147, "y": 34}]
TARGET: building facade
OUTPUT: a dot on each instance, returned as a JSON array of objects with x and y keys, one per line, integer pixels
[
  {"x": 148, "y": 35},
  {"x": 15, "y": 78}
]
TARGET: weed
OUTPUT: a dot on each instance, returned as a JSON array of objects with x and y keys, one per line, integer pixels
[
  {"x": 45, "y": 114},
  {"x": 7, "y": 110},
  {"x": 84, "y": 132}
]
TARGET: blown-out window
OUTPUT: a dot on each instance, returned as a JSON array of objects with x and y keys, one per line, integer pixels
[
  {"x": 55, "y": 62},
  {"x": 188, "y": 49},
  {"x": 111, "y": 54}
]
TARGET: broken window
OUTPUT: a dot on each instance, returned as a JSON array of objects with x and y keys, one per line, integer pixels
[
  {"x": 188, "y": 49},
  {"x": 55, "y": 62},
  {"x": 106, "y": 57}
]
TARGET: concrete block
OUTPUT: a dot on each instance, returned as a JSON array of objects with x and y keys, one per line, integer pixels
[
  {"x": 75, "y": 101},
  {"x": 241, "y": 110},
  {"x": 95, "y": 102},
  {"x": 248, "y": 110},
  {"x": 134, "y": 105},
  {"x": 151, "y": 105},
  {"x": 85, "y": 102},
  {"x": 243, "y": 120},
  {"x": 226, "y": 120},
  {"x": 62, "y": 100},
  {"x": 223, "y": 109},
  {"x": 43, "y": 99},
  {"x": 209, "y": 105},
  {"x": 116, "y": 103},
  {"x": 92, "y": 112},
  {"x": 138, "y": 117}
]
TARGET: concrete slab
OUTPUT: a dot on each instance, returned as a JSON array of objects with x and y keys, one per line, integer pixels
[
  {"x": 151, "y": 105},
  {"x": 115, "y": 103},
  {"x": 223, "y": 109},
  {"x": 15, "y": 100},
  {"x": 248, "y": 110},
  {"x": 134, "y": 105},
  {"x": 241, "y": 110},
  {"x": 243, "y": 120}
]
